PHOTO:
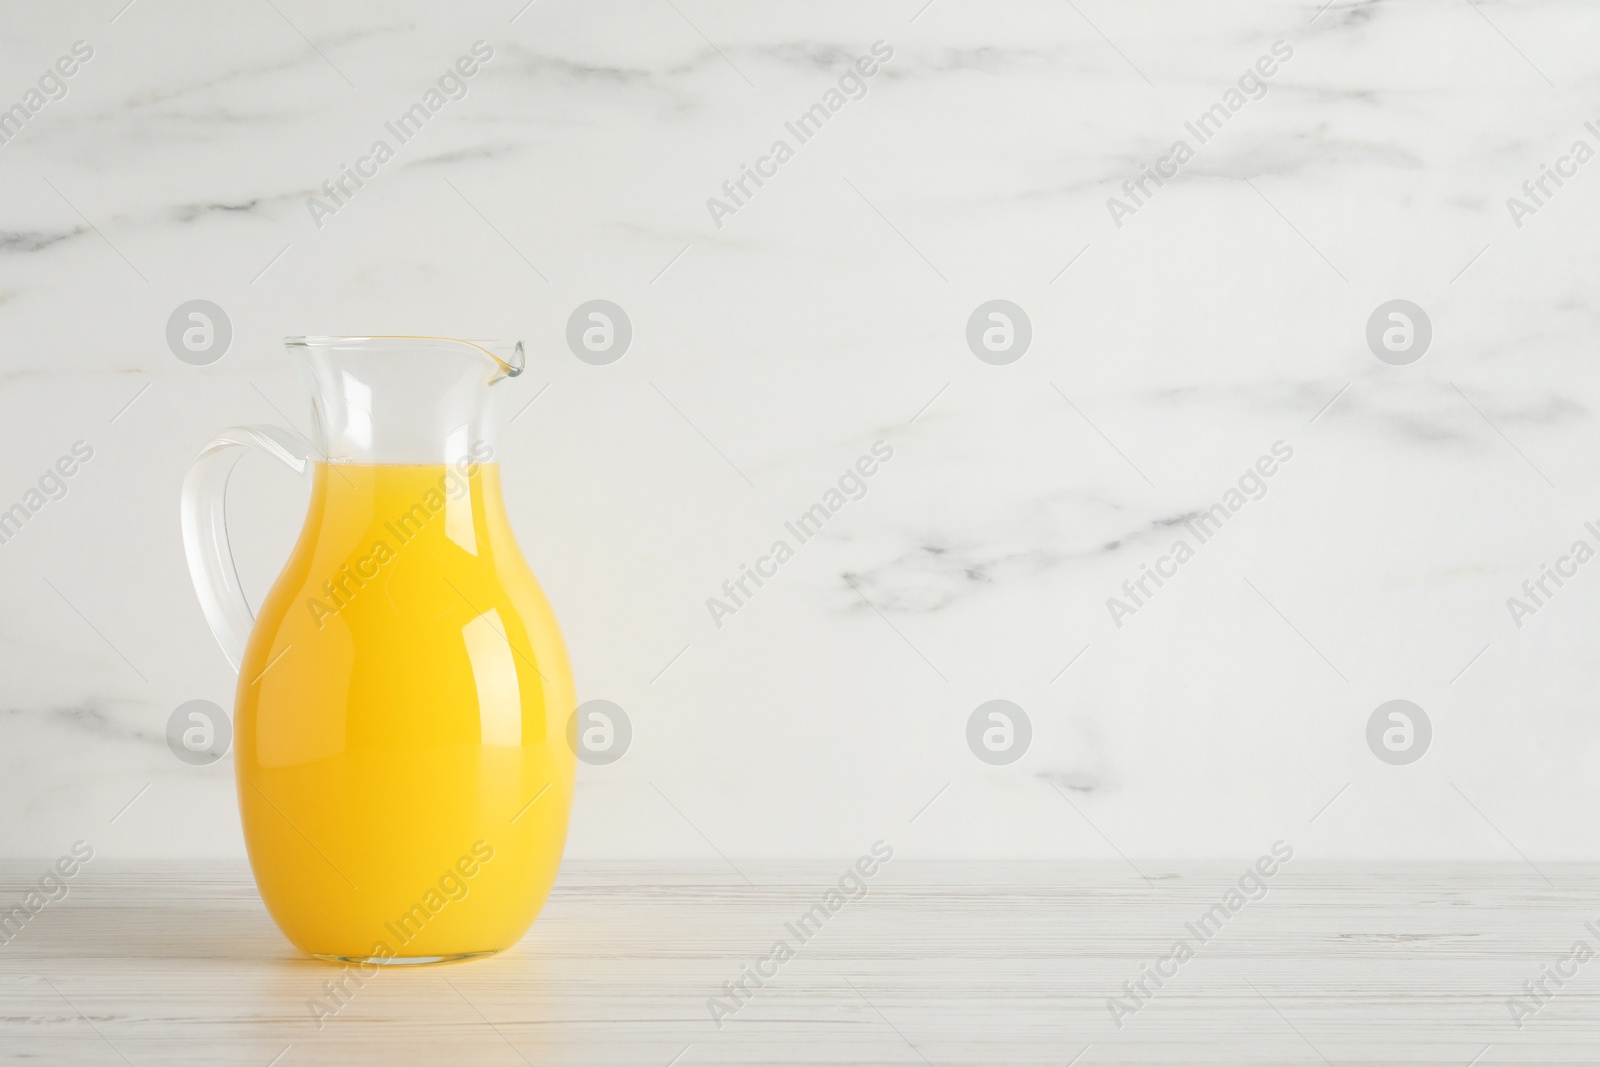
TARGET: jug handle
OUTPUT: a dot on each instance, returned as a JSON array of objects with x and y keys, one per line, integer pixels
[{"x": 205, "y": 530}]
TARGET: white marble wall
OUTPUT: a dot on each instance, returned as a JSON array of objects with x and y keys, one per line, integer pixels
[{"x": 1227, "y": 313}]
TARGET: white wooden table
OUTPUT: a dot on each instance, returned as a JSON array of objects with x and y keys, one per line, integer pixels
[{"x": 176, "y": 963}]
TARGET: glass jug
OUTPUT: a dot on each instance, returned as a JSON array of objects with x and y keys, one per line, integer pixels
[{"x": 400, "y": 744}]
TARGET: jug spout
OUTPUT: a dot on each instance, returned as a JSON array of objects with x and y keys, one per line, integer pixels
[{"x": 397, "y": 400}]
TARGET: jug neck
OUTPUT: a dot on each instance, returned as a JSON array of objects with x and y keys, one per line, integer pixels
[{"x": 405, "y": 400}]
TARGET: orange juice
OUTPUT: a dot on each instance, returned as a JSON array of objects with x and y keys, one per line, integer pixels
[{"x": 404, "y": 775}]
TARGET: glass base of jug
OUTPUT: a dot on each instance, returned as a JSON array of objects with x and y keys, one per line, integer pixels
[{"x": 407, "y": 961}]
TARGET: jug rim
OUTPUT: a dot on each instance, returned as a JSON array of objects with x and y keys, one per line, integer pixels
[{"x": 513, "y": 366}]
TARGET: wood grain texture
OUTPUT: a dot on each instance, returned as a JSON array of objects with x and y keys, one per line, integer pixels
[{"x": 946, "y": 964}]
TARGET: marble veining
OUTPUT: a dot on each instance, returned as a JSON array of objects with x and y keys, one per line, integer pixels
[{"x": 1227, "y": 312}]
